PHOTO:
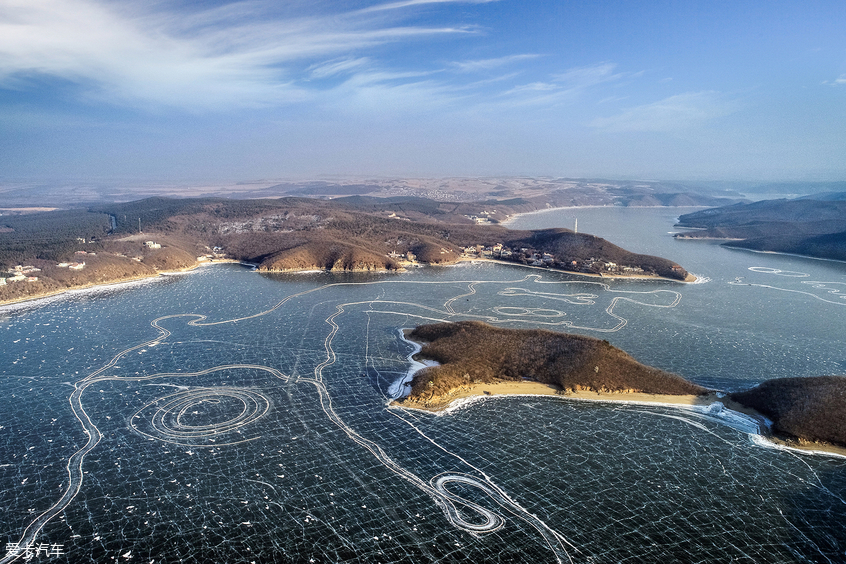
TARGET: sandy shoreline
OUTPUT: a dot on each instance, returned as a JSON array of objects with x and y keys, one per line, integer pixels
[
  {"x": 532, "y": 388},
  {"x": 482, "y": 392}
]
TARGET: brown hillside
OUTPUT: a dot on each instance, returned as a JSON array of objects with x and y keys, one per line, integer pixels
[
  {"x": 812, "y": 409},
  {"x": 471, "y": 351},
  {"x": 328, "y": 255}
]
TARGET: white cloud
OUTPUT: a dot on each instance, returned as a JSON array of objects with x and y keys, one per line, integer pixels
[
  {"x": 236, "y": 55},
  {"x": 409, "y": 3},
  {"x": 837, "y": 81},
  {"x": 534, "y": 87},
  {"x": 564, "y": 86},
  {"x": 674, "y": 113}
]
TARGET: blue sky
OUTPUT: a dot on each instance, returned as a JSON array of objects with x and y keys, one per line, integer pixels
[{"x": 205, "y": 90}]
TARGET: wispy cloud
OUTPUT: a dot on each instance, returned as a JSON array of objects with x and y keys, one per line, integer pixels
[
  {"x": 338, "y": 66},
  {"x": 490, "y": 64},
  {"x": 410, "y": 3},
  {"x": 674, "y": 113},
  {"x": 564, "y": 85},
  {"x": 840, "y": 80},
  {"x": 240, "y": 54},
  {"x": 582, "y": 77}
]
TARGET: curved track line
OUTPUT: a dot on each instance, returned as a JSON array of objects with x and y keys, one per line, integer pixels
[{"x": 437, "y": 490}]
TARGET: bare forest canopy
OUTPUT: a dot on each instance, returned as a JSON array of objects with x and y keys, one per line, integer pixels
[
  {"x": 813, "y": 408},
  {"x": 475, "y": 352},
  {"x": 812, "y": 226}
]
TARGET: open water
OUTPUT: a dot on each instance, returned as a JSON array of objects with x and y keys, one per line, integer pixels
[{"x": 230, "y": 416}]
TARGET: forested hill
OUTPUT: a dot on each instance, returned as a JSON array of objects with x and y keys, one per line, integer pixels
[
  {"x": 810, "y": 409},
  {"x": 360, "y": 233},
  {"x": 475, "y": 352},
  {"x": 806, "y": 226},
  {"x": 348, "y": 234}
]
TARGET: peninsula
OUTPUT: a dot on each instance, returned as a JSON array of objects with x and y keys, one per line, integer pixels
[
  {"x": 472, "y": 352},
  {"x": 813, "y": 226}
]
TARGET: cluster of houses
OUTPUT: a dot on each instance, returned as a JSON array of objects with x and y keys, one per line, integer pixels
[
  {"x": 21, "y": 273},
  {"x": 217, "y": 253},
  {"x": 26, "y": 273},
  {"x": 409, "y": 256},
  {"x": 532, "y": 257},
  {"x": 483, "y": 218},
  {"x": 480, "y": 251}
]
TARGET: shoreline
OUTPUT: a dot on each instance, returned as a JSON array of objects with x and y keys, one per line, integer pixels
[
  {"x": 127, "y": 281},
  {"x": 509, "y": 218},
  {"x": 780, "y": 253},
  {"x": 691, "y": 278},
  {"x": 512, "y": 388},
  {"x": 473, "y": 393}
]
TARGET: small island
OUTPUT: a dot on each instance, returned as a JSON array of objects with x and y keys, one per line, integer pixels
[{"x": 477, "y": 359}]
